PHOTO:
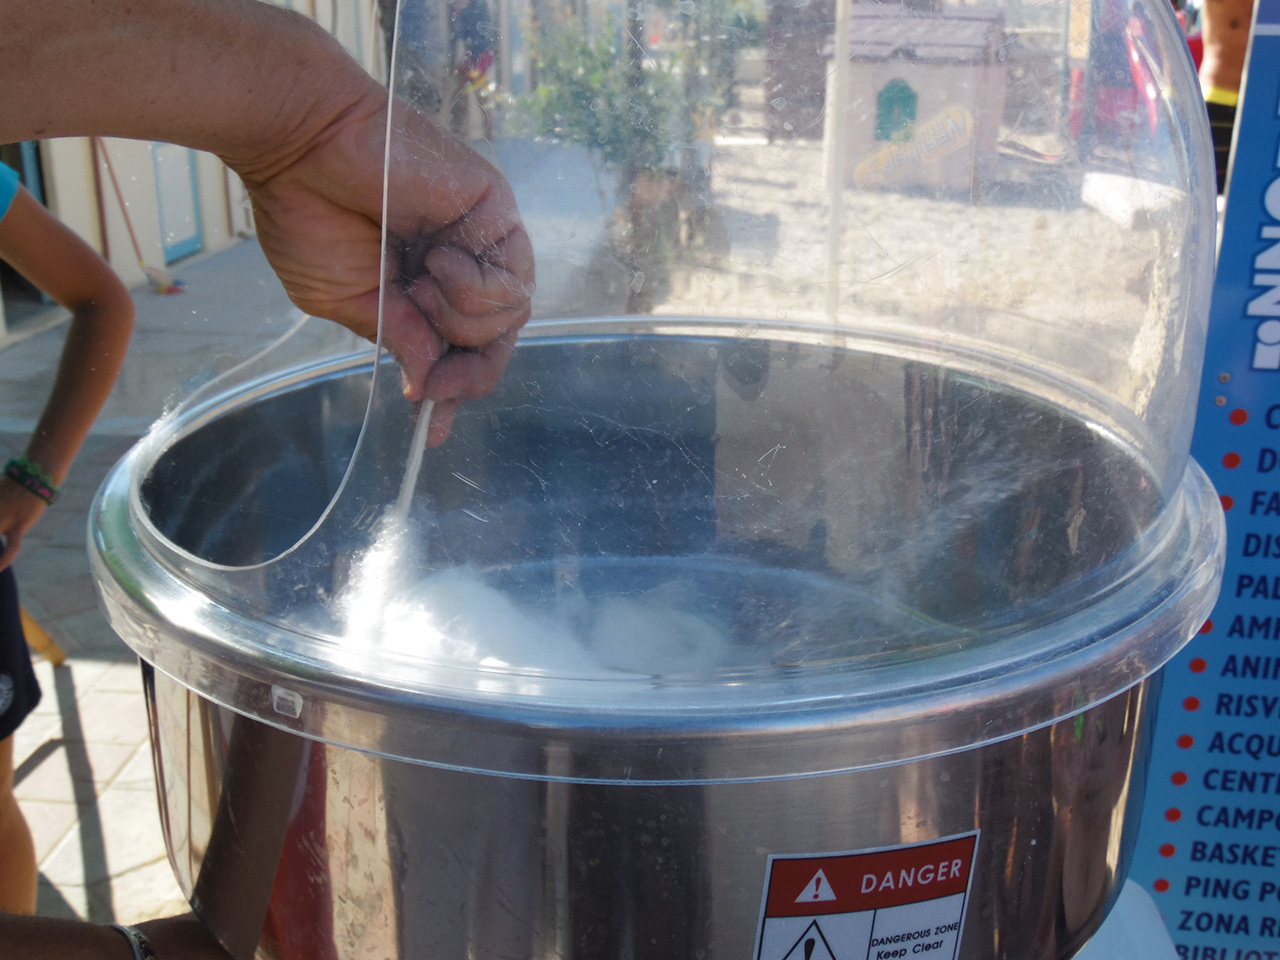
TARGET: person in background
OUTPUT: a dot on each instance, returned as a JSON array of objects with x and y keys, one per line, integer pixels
[
  {"x": 1225, "y": 36},
  {"x": 66, "y": 269},
  {"x": 305, "y": 128},
  {"x": 471, "y": 31}
]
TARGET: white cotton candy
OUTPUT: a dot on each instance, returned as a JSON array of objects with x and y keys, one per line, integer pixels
[
  {"x": 647, "y": 636},
  {"x": 453, "y": 618}
]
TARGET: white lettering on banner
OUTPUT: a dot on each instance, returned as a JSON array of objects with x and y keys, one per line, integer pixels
[
  {"x": 1269, "y": 259},
  {"x": 1266, "y": 304},
  {"x": 1266, "y": 353},
  {"x": 1266, "y": 349}
]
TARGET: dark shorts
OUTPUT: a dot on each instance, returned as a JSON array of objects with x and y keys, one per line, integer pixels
[
  {"x": 19, "y": 691},
  {"x": 1222, "y": 121}
]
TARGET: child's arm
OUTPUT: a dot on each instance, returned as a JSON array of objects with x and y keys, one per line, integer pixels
[
  {"x": 58, "y": 262},
  {"x": 54, "y": 938}
]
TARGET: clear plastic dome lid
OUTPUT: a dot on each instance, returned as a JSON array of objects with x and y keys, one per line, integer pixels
[
  {"x": 1027, "y": 186},
  {"x": 858, "y": 393}
]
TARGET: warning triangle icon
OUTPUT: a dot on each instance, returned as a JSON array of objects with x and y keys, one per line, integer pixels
[
  {"x": 812, "y": 945},
  {"x": 816, "y": 890}
]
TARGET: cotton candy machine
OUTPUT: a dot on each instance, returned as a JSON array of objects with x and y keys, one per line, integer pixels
[{"x": 800, "y": 590}]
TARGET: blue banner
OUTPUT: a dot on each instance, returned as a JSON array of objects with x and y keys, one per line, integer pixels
[{"x": 1209, "y": 846}]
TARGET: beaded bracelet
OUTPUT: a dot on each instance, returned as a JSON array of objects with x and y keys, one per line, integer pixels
[
  {"x": 32, "y": 477},
  {"x": 141, "y": 946}
]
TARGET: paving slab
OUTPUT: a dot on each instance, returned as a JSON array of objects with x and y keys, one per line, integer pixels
[
  {"x": 54, "y": 780},
  {"x": 86, "y": 784}
]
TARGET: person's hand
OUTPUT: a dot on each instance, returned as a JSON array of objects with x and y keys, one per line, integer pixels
[
  {"x": 19, "y": 511},
  {"x": 290, "y": 111},
  {"x": 461, "y": 288}
]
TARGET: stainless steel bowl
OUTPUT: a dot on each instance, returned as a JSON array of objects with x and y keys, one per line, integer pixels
[{"x": 939, "y": 597}]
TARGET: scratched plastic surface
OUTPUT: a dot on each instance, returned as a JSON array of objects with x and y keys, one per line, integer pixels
[{"x": 866, "y": 344}]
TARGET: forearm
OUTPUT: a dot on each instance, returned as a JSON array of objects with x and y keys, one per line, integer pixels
[
  {"x": 91, "y": 359},
  {"x": 44, "y": 938},
  {"x": 305, "y": 127},
  {"x": 47, "y": 938},
  {"x": 224, "y": 76}
]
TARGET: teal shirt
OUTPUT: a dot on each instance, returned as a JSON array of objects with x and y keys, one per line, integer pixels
[{"x": 8, "y": 188}]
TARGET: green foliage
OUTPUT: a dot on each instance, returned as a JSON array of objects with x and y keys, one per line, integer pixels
[{"x": 590, "y": 93}]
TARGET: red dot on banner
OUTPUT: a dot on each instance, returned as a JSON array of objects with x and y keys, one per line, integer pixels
[
  {"x": 1167, "y": 850},
  {"x": 1191, "y": 703},
  {"x": 1206, "y": 627},
  {"x": 1238, "y": 416},
  {"x": 1179, "y": 779},
  {"x": 1231, "y": 461},
  {"x": 1173, "y": 814},
  {"x": 1198, "y": 665},
  {"x": 1160, "y": 886},
  {"x": 1227, "y": 502},
  {"x": 1186, "y": 741}
]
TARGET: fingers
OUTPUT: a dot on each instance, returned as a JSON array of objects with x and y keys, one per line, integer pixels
[
  {"x": 466, "y": 259},
  {"x": 490, "y": 228},
  {"x": 10, "y": 547},
  {"x": 464, "y": 374},
  {"x": 481, "y": 297},
  {"x": 412, "y": 340},
  {"x": 474, "y": 279},
  {"x": 441, "y": 421},
  {"x": 20, "y": 510},
  {"x": 430, "y": 366},
  {"x": 472, "y": 282},
  {"x": 469, "y": 302},
  {"x": 460, "y": 281}
]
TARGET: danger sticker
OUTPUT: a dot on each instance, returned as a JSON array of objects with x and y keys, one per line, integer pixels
[{"x": 903, "y": 901}]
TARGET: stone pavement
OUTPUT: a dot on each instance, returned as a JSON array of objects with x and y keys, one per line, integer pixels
[{"x": 83, "y": 764}]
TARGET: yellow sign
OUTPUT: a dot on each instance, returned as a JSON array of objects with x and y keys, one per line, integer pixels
[{"x": 922, "y": 143}]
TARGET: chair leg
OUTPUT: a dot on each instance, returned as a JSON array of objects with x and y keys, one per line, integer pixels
[{"x": 38, "y": 639}]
